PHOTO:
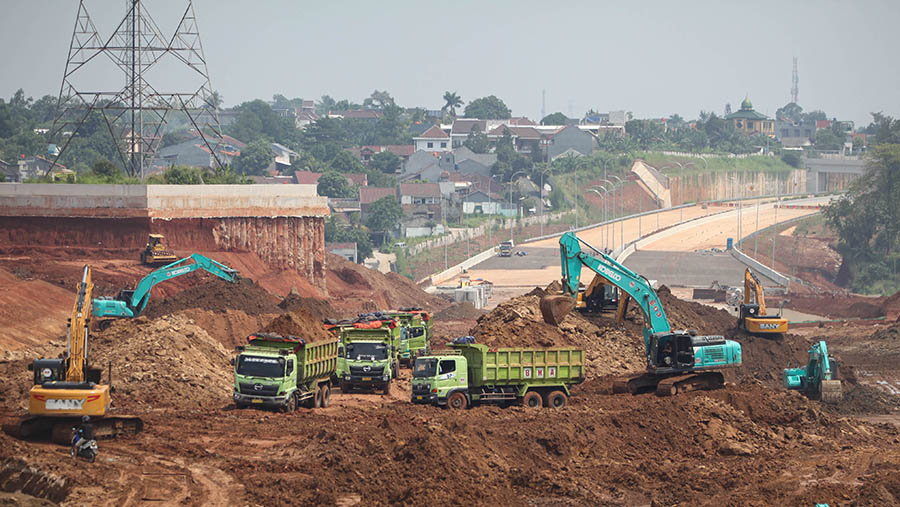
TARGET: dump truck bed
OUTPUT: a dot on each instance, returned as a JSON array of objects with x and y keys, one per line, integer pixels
[
  {"x": 315, "y": 360},
  {"x": 513, "y": 365}
]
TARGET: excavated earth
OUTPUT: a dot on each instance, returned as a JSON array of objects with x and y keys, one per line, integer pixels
[{"x": 751, "y": 443}]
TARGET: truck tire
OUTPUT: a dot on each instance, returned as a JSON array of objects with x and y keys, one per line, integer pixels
[
  {"x": 326, "y": 396},
  {"x": 457, "y": 401},
  {"x": 532, "y": 400},
  {"x": 317, "y": 398},
  {"x": 557, "y": 399},
  {"x": 291, "y": 406},
  {"x": 387, "y": 388}
]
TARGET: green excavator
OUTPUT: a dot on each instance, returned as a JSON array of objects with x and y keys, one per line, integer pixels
[
  {"x": 677, "y": 360},
  {"x": 818, "y": 379}
]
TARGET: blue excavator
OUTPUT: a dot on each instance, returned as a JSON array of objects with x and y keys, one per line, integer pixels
[
  {"x": 818, "y": 380},
  {"x": 131, "y": 302},
  {"x": 677, "y": 360}
]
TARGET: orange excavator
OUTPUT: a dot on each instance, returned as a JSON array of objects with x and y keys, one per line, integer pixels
[
  {"x": 67, "y": 388},
  {"x": 753, "y": 316}
]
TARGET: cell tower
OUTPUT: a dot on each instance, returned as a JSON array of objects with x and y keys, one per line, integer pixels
[
  {"x": 795, "y": 80},
  {"x": 136, "y": 114}
]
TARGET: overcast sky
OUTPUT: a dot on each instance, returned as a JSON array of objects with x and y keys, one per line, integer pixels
[{"x": 654, "y": 58}]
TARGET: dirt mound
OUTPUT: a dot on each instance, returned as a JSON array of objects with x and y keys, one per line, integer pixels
[
  {"x": 355, "y": 288},
  {"x": 459, "y": 311},
  {"x": 217, "y": 295},
  {"x": 891, "y": 307},
  {"x": 865, "y": 310},
  {"x": 863, "y": 399},
  {"x": 318, "y": 308},
  {"x": 299, "y": 323},
  {"x": 891, "y": 333},
  {"x": 518, "y": 323},
  {"x": 166, "y": 362}
]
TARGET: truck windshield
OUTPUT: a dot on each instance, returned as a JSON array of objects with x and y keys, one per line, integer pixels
[
  {"x": 425, "y": 368},
  {"x": 257, "y": 366},
  {"x": 363, "y": 351}
]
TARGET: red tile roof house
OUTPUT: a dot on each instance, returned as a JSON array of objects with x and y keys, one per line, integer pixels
[
  {"x": 368, "y": 195},
  {"x": 421, "y": 199},
  {"x": 433, "y": 139},
  {"x": 365, "y": 153},
  {"x": 311, "y": 178}
]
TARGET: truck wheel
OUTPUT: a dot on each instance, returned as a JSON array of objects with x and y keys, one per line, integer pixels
[
  {"x": 532, "y": 400},
  {"x": 317, "y": 398},
  {"x": 457, "y": 401},
  {"x": 387, "y": 388},
  {"x": 291, "y": 405},
  {"x": 557, "y": 399},
  {"x": 326, "y": 396}
]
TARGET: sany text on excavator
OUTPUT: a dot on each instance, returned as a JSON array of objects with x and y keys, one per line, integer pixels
[
  {"x": 753, "y": 316},
  {"x": 676, "y": 360},
  {"x": 67, "y": 388},
  {"x": 131, "y": 303}
]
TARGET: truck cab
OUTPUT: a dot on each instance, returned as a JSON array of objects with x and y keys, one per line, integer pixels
[
  {"x": 506, "y": 249},
  {"x": 415, "y": 335},
  {"x": 370, "y": 358},
  {"x": 434, "y": 378},
  {"x": 264, "y": 376}
]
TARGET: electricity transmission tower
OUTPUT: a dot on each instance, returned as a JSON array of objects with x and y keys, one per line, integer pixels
[
  {"x": 136, "y": 113},
  {"x": 795, "y": 80}
]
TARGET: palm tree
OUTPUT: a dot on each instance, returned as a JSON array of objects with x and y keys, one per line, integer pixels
[
  {"x": 216, "y": 99},
  {"x": 452, "y": 102}
]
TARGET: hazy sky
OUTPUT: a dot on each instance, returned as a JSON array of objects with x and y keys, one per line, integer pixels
[{"x": 654, "y": 58}]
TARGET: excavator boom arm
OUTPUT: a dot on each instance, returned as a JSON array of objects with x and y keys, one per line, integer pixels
[
  {"x": 636, "y": 286},
  {"x": 77, "y": 346},
  {"x": 753, "y": 285}
]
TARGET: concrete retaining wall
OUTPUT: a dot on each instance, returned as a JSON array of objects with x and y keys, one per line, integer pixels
[
  {"x": 160, "y": 201},
  {"x": 457, "y": 269}
]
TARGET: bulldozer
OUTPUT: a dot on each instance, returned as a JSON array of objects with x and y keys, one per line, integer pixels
[
  {"x": 156, "y": 252},
  {"x": 67, "y": 388},
  {"x": 753, "y": 316},
  {"x": 818, "y": 379}
]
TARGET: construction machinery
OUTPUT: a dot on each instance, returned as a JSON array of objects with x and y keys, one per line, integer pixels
[
  {"x": 819, "y": 378},
  {"x": 156, "y": 252},
  {"x": 753, "y": 316},
  {"x": 131, "y": 302},
  {"x": 67, "y": 388},
  {"x": 677, "y": 360},
  {"x": 473, "y": 374}
]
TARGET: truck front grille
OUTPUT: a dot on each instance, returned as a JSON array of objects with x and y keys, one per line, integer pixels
[{"x": 258, "y": 389}]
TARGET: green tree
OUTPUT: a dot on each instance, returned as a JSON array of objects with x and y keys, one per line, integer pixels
[
  {"x": 336, "y": 232},
  {"x": 477, "y": 141},
  {"x": 789, "y": 112},
  {"x": 386, "y": 161},
  {"x": 792, "y": 159},
  {"x": 334, "y": 184},
  {"x": 255, "y": 158},
  {"x": 487, "y": 108},
  {"x": 344, "y": 162},
  {"x": 106, "y": 170},
  {"x": 257, "y": 121},
  {"x": 379, "y": 100},
  {"x": 451, "y": 102},
  {"x": 183, "y": 175},
  {"x": 384, "y": 215},
  {"x": 216, "y": 99},
  {"x": 827, "y": 139},
  {"x": 555, "y": 119}
]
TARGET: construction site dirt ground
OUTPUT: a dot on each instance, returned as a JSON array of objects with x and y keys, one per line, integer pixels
[{"x": 751, "y": 443}]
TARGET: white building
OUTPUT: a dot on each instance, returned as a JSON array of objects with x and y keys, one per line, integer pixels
[{"x": 433, "y": 139}]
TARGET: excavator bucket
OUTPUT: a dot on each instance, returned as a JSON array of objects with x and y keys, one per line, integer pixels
[
  {"x": 831, "y": 391},
  {"x": 554, "y": 308}
]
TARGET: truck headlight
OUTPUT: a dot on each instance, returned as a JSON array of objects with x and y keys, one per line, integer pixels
[
  {"x": 347, "y": 377},
  {"x": 386, "y": 378}
]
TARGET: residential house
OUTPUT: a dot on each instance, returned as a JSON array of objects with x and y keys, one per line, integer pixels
[
  {"x": 793, "y": 135},
  {"x": 461, "y": 128},
  {"x": 748, "y": 121},
  {"x": 358, "y": 179},
  {"x": 418, "y": 227},
  {"x": 483, "y": 203},
  {"x": 426, "y": 166},
  {"x": 282, "y": 156},
  {"x": 433, "y": 139},
  {"x": 194, "y": 152},
  {"x": 525, "y": 139},
  {"x": 421, "y": 200},
  {"x": 368, "y": 115},
  {"x": 345, "y": 250},
  {"x": 476, "y": 182},
  {"x": 35, "y": 167},
  {"x": 570, "y": 141},
  {"x": 311, "y": 178},
  {"x": 368, "y": 195},
  {"x": 9, "y": 172},
  {"x": 365, "y": 153}
]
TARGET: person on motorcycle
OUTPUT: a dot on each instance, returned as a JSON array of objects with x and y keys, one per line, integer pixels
[{"x": 84, "y": 434}]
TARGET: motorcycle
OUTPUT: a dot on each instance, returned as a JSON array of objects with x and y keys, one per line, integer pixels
[{"x": 88, "y": 450}]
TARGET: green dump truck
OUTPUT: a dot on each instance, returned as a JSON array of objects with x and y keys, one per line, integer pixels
[
  {"x": 414, "y": 341},
  {"x": 470, "y": 374},
  {"x": 284, "y": 372},
  {"x": 369, "y": 352}
]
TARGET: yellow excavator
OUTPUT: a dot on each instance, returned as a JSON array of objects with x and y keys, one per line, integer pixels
[
  {"x": 67, "y": 388},
  {"x": 156, "y": 252},
  {"x": 753, "y": 317}
]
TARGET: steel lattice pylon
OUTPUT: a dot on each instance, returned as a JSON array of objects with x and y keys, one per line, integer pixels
[{"x": 136, "y": 113}]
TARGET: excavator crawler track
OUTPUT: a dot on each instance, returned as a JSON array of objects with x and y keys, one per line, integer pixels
[
  {"x": 706, "y": 381},
  {"x": 59, "y": 430}
]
